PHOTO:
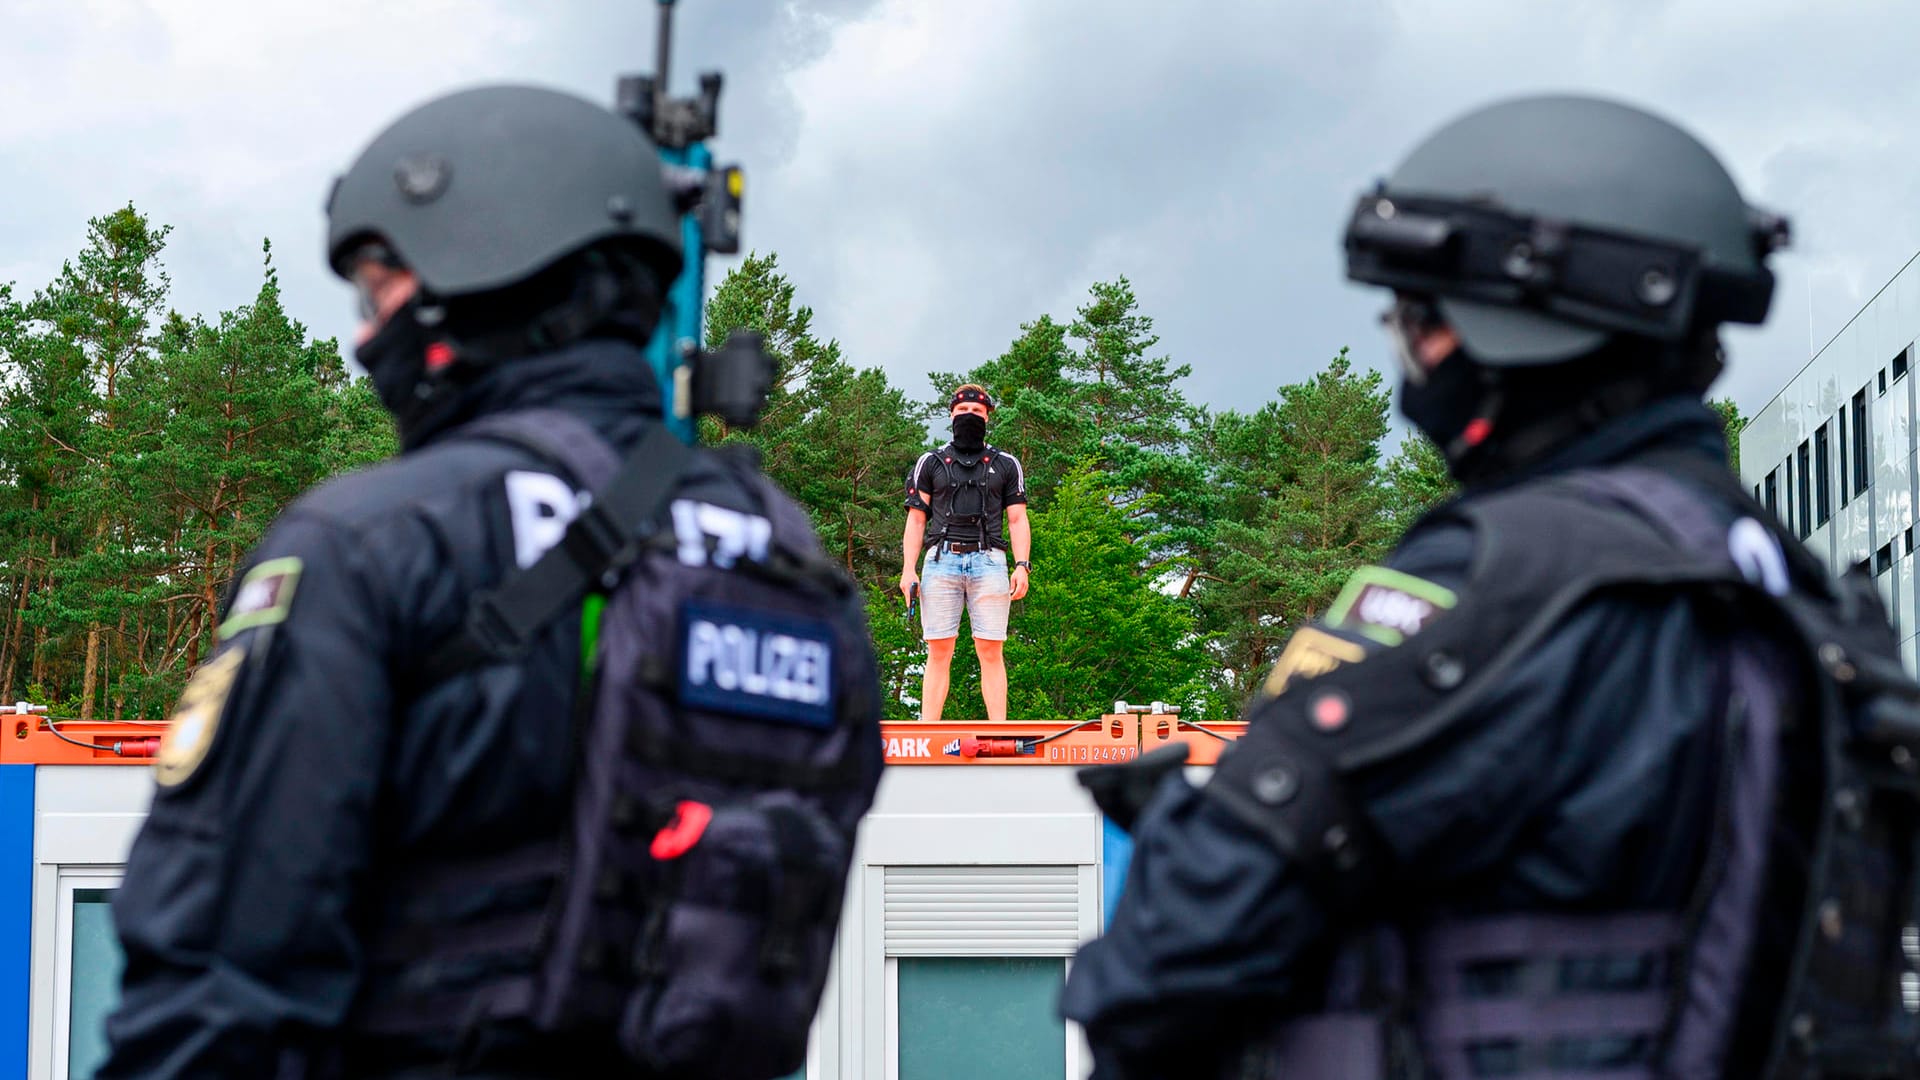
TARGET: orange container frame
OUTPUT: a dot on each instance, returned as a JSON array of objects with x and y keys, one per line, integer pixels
[
  {"x": 30, "y": 740},
  {"x": 1114, "y": 737}
]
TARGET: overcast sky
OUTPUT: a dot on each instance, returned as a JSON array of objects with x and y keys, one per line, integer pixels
[{"x": 933, "y": 173}]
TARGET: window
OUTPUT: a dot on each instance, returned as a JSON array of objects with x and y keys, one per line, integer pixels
[
  {"x": 1862, "y": 470},
  {"x": 1845, "y": 488},
  {"x": 86, "y": 969},
  {"x": 93, "y": 979},
  {"x": 1883, "y": 559},
  {"x": 1822, "y": 477},
  {"x": 1805, "y": 504},
  {"x": 1900, "y": 364},
  {"x": 976, "y": 949},
  {"x": 1909, "y": 539},
  {"x": 1772, "y": 497},
  {"x": 946, "y": 1003},
  {"x": 1786, "y": 491},
  {"x": 84, "y": 822},
  {"x": 1883, "y": 382}
]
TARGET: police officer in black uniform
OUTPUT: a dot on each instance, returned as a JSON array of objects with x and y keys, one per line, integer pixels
[
  {"x": 1550, "y": 793},
  {"x": 511, "y": 247}
]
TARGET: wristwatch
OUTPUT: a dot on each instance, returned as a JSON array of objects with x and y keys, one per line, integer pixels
[{"x": 1024, "y": 563}]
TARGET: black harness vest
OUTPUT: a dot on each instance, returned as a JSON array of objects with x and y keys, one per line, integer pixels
[{"x": 967, "y": 499}]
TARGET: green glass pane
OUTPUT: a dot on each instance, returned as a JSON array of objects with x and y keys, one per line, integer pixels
[
  {"x": 96, "y": 981},
  {"x": 962, "y": 1018}
]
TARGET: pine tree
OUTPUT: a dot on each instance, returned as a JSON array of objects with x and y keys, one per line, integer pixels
[
  {"x": 143, "y": 454},
  {"x": 838, "y": 439},
  {"x": 1302, "y": 503},
  {"x": 1094, "y": 629},
  {"x": 1417, "y": 480},
  {"x": 1039, "y": 415},
  {"x": 89, "y": 334},
  {"x": 1111, "y": 404},
  {"x": 242, "y": 416}
]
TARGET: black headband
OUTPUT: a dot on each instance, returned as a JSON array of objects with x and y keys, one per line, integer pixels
[{"x": 966, "y": 394}]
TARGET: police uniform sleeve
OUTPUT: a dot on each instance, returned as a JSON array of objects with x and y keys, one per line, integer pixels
[
  {"x": 1218, "y": 934},
  {"x": 237, "y": 906}
]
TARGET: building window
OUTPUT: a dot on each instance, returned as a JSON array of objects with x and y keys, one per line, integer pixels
[
  {"x": 1845, "y": 488},
  {"x": 94, "y": 984},
  {"x": 1805, "y": 504},
  {"x": 1883, "y": 382},
  {"x": 1909, "y": 535},
  {"x": 1822, "y": 477},
  {"x": 1862, "y": 469},
  {"x": 1772, "y": 497},
  {"x": 1900, "y": 364},
  {"x": 946, "y": 1003},
  {"x": 1786, "y": 492},
  {"x": 1883, "y": 559}
]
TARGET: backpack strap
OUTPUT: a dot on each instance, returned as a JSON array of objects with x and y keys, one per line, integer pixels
[{"x": 627, "y": 499}]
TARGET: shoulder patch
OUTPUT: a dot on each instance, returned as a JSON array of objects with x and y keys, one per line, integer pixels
[
  {"x": 1387, "y": 605},
  {"x": 1311, "y": 653},
  {"x": 196, "y": 718},
  {"x": 265, "y": 596}
]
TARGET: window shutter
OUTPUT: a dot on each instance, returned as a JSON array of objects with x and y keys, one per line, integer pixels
[{"x": 982, "y": 910}]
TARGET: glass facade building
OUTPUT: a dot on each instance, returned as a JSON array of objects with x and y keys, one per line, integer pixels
[{"x": 1833, "y": 454}]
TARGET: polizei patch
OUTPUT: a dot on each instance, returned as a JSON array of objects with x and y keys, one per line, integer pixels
[{"x": 757, "y": 663}]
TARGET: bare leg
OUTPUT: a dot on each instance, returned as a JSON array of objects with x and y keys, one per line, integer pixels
[
  {"x": 993, "y": 676},
  {"x": 933, "y": 684}
]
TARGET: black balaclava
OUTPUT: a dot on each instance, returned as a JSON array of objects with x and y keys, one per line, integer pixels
[
  {"x": 1489, "y": 422},
  {"x": 1448, "y": 402},
  {"x": 397, "y": 361},
  {"x": 412, "y": 358},
  {"x": 969, "y": 433}
]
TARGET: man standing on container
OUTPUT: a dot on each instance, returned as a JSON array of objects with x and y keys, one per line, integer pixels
[{"x": 955, "y": 497}]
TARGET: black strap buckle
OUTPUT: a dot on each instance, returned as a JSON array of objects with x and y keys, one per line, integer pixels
[
  {"x": 597, "y": 542},
  {"x": 490, "y": 631}
]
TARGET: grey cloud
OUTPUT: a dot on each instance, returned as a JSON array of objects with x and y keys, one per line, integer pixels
[{"x": 932, "y": 175}]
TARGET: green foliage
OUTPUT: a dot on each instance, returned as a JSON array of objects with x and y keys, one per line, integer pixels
[
  {"x": 1732, "y": 423},
  {"x": 142, "y": 454},
  {"x": 839, "y": 439},
  {"x": 1109, "y": 402},
  {"x": 1417, "y": 480},
  {"x": 1095, "y": 628},
  {"x": 1303, "y": 501}
]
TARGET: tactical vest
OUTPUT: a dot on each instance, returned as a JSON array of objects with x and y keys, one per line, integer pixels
[
  {"x": 967, "y": 497},
  {"x": 688, "y": 914},
  {"x": 1826, "y": 859}
]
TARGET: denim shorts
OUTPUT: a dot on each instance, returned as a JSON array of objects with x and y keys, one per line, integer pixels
[{"x": 977, "y": 580}]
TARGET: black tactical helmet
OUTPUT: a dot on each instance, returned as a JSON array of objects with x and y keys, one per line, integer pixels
[
  {"x": 484, "y": 188},
  {"x": 1543, "y": 225}
]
